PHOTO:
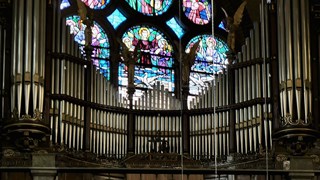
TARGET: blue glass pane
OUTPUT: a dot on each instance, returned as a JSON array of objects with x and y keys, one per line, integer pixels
[
  {"x": 104, "y": 67},
  {"x": 222, "y": 25},
  {"x": 116, "y": 18},
  {"x": 177, "y": 29},
  {"x": 64, "y": 4},
  {"x": 150, "y": 7}
]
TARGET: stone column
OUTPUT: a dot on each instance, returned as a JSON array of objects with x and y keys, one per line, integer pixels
[
  {"x": 43, "y": 167},
  {"x": 303, "y": 164}
]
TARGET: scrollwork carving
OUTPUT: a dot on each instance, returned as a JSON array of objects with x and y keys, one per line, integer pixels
[{"x": 289, "y": 121}]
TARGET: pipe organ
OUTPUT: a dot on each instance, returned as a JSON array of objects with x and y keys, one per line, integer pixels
[
  {"x": 294, "y": 54},
  {"x": 28, "y": 59},
  {"x": 84, "y": 112},
  {"x": 157, "y": 114},
  {"x": 209, "y": 129},
  {"x": 107, "y": 129},
  {"x": 3, "y": 66},
  {"x": 157, "y": 98}
]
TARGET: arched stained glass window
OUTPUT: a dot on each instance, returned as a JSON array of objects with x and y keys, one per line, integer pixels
[
  {"x": 210, "y": 59},
  {"x": 100, "y": 42},
  {"x": 150, "y": 7},
  {"x": 153, "y": 58},
  {"x": 96, "y": 4},
  {"x": 197, "y": 11}
]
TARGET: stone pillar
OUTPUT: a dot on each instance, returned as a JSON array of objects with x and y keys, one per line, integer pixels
[
  {"x": 43, "y": 167},
  {"x": 303, "y": 164},
  {"x": 296, "y": 130}
]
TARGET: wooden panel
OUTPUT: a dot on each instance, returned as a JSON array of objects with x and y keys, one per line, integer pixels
[
  {"x": 164, "y": 176},
  {"x": 195, "y": 177},
  {"x": 133, "y": 176},
  {"x": 148, "y": 176},
  {"x": 15, "y": 176},
  {"x": 178, "y": 177}
]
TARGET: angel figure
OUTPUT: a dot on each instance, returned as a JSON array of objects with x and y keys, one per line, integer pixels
[
  {"x": 233, "y": 25},
  {"x": 188, "y": 60},
  {"x": 129, "y": 60}
]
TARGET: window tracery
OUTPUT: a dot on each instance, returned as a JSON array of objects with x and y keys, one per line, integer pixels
[
  {"x": 150, "y": 7},
  {"x": 155, "y": 60}
]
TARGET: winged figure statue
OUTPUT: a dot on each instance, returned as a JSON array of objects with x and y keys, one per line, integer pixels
[
  {"x": 87, "y": 20},
  {"x": 233, "y": 25},
  {"x": 188, "y": 61},
  {"x": 129, "y": 60}
]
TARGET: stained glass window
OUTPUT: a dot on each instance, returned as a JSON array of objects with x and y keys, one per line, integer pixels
[
  {"x": 116, "y": 18},
  {"x": 150, "y": 7},
  {"x": 198, "y": 11},
  {"x": 64, "y": 4},
  {"x": 210, "y": 59},
  {"x": 100, "y": 41},
  {"x": 96, "y": 4},
  {"x": 174, "y": 25},
  {"x": 153, "y": 58}
]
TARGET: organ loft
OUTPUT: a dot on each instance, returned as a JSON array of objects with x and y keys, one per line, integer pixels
[{"x": 159, "y": 89}]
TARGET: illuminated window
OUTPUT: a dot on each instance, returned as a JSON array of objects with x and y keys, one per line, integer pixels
[
  {"x": 64, "y": 4},
  {"x": 210, "y": 59},
  {"x": 153, "y": 58},
  {"x": 197, "y": 11},
  {"x": 100, "y": 42},
  {"x": 177, "y": 29},
  {"x": 150, "y": 7},
  {"x": 116, "y": 18},
  {"x": 96, "y": 4}
]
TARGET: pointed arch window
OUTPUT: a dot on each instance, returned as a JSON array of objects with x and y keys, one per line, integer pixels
[
  {"x": 100, "y": 43},
  {"x": 154, "y": 59},
  {"x": 210, "y": 59}
]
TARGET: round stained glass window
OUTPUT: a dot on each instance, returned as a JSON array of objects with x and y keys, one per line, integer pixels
[
  {"x": 96, "y": 4},
  {"x": 197, "y": 11},
  {"x": 150, "y": 7}
]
